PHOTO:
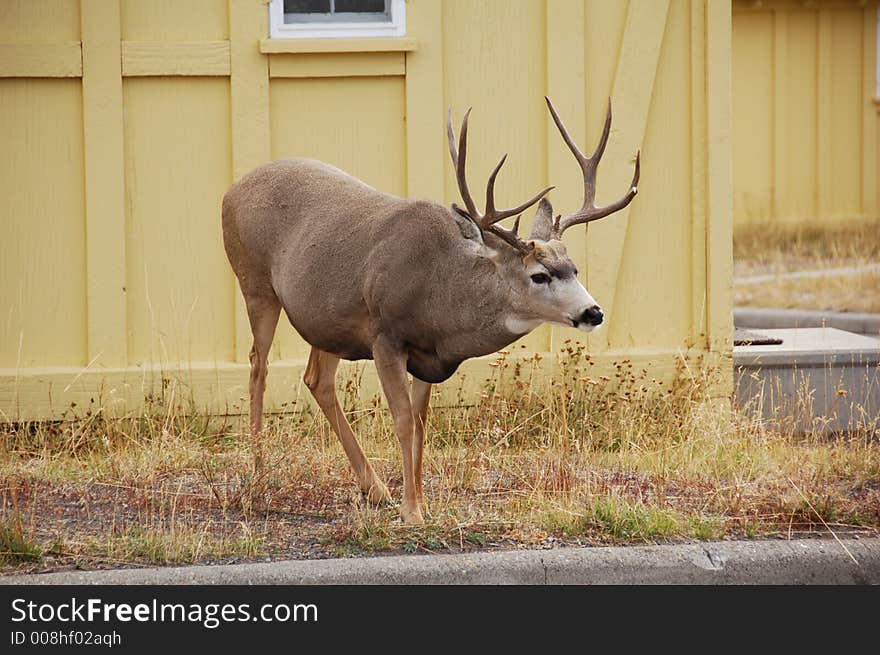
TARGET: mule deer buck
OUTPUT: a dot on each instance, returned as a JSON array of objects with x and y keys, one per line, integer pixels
[{"x": 414, "y": 285}]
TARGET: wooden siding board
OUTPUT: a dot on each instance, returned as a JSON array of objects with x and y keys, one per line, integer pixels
[
  {"x": 566, "y": 87},
  {"x": 426, "y": 152},
  {"x": 39, "y": 21},
  {"x": 633, "y": 87},
  {"x": 173, "y": 20},
  {"x": 753, "y": 117},
  {"x": 166, "y": 58},
  {"x": 662, "y": 319},
  {"x": 249, "y": 102},
  {"x": 41, "y": 59},
  {"x": 604, "y": 26},
  {"x": 358, "y": 64},
  {"x": 846, "y": 156},
  {"x": 330, "y": 125},
  {"x": 374, "y": 44},
  {"x": 801, "y": 118},
  {"x": 43, "y": 267},
  {"x": 179, "y": 299}
]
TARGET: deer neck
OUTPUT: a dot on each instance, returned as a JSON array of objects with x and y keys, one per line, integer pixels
[{"x": 496, "y": 316}]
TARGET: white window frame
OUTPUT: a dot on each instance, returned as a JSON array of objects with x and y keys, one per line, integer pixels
[{"x": 278, "y": 29}]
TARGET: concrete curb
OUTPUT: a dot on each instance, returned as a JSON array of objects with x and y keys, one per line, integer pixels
[
  {"x": 748, "y": 317},
  {"x": 804, "y": 561}
]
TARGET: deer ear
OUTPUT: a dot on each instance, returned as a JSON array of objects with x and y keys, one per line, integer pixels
[
  {"x": 466, "y": 226},
  {"x": 543, "y": 226}
]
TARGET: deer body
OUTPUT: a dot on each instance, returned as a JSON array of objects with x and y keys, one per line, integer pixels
[
  {"x": 331, "y": 270},
  {"x": 414, "y": 285}
]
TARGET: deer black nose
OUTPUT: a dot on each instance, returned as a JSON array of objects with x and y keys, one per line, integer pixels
[{"x": 592, "y": 315}]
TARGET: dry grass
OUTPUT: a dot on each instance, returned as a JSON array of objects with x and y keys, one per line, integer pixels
[
  {"x": 584, "y": 458},
  {"x": 770, "y": 248},
  {"x": 760, "y": 249},
  {"x": 859, "y": 292}
]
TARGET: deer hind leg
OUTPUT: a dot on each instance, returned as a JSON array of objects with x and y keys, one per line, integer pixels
[
  {"x": 391, "y": 366},
  {"x": 320, "y": 378},
  {"x": 263, "y": 313},
  {"x": 421, "y": 398}
]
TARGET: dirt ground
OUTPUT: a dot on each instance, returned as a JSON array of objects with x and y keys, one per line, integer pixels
[{"x": 74, "y": 520}]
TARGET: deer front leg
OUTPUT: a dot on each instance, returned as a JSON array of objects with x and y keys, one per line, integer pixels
[
  {"x": 421, "y": 398},
  {"x": 391, "y": 366}
]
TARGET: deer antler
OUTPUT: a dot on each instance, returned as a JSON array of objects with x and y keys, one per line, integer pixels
[
  {"x": 486, "y": 221},
  {"x": 589, "y": 212}
]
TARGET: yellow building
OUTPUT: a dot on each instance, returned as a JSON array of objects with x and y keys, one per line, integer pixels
[
  {"x": 123, "y": 123},
  {"x": 805, "y": 110}
]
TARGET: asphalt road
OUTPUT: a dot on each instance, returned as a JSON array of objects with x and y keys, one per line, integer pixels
[{"x": 797, "y": 562}]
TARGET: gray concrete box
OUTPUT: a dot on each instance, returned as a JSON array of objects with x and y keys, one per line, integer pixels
[{"x": 821, "y": 380}]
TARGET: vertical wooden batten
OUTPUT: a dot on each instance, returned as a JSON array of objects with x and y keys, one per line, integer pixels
[
  {"x": 870, "y": 28},
  {"x": 824, "y": 115},
  {"x": 104, "y": 182},
  {"x": 425, "y": 145},
  {"x": 780, "y": 111},
  {"x": 719, "y": 219},
  {"x": 249, "y": 97},
  {"x": 699, "y": 133}
]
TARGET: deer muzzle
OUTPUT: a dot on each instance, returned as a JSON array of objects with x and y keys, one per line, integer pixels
[{"x": 592, "y": 316}]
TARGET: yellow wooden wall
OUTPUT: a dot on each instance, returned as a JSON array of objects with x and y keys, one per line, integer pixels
[
  {"x": 123, "y": 123},
  {"x": 805, "y": 118}
]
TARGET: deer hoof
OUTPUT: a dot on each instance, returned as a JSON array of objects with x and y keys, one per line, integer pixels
[
  {"x": 412, "y": 516},
  {"x": 377, "y": 494}
]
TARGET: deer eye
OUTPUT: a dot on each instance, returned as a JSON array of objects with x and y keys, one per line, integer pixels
[{"x": 541, "y": 278}]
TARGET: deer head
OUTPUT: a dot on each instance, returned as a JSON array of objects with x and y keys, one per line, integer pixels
[{"x": 539, "y": 268}]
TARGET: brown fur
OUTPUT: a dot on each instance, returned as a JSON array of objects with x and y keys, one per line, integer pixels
[{"x": 348, "y": 263}]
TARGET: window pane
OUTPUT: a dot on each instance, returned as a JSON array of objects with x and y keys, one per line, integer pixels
[
  {"x": 306, "y": 6},
  {"x": 373, "y": 6}
]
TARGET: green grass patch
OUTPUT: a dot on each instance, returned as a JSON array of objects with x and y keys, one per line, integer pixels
[{"x": 15, "y": 546}]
